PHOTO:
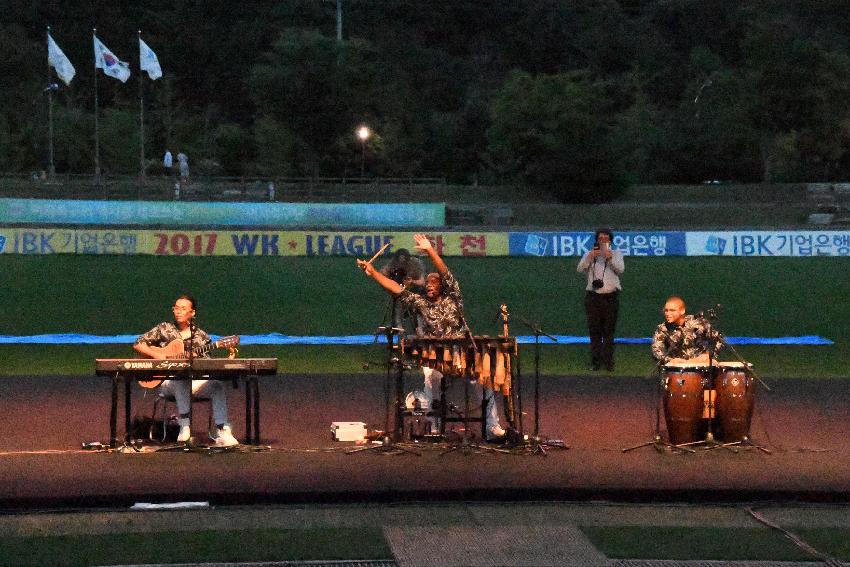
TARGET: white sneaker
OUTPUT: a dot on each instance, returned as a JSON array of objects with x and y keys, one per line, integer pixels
[
  {"x": 225, "y": 438},
  {"x": 495, "y": 432},
  {"x": 185, "y": 431}
]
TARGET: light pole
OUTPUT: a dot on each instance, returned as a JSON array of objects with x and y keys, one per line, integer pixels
[{"x": 363, "y": 133}]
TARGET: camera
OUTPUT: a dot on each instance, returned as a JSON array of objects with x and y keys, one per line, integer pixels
[
  {"x": 398, "y": 275},
  {"x": 596, "y": 284}
]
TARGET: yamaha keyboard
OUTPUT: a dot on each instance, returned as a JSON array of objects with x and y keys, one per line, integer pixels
[
  {"x": 218, "y": 367},
  {"x": 125, "y": 371}
]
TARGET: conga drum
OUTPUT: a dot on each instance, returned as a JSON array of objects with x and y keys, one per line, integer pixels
[
  {"x": 683, "y": 400},
  {"x": 735, "y": 393}
]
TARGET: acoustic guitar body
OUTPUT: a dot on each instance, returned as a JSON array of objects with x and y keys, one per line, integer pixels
[{"x": 176, "y": 349}]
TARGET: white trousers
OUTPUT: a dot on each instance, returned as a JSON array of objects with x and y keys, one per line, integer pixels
[{"x": 431, "y": 390}]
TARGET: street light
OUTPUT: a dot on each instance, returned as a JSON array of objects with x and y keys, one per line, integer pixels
[{"x": 363, "y": 133}]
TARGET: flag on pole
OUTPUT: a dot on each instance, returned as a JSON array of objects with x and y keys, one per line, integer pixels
[
  {"x": 59, "y": 62},
  {"x": 148, "y": 61},
  {"x": 111, "y": 65}
]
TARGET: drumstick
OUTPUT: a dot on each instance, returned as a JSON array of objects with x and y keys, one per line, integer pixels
[{"x": 378, "y": 253}]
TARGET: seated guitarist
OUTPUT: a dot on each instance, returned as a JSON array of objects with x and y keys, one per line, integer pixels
[{"x": 171, "y": 340}]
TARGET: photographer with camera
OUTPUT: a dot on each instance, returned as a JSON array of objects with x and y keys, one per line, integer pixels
[
  {"x": 603, "y": 267},
  {"x": 405, "y": 270}
]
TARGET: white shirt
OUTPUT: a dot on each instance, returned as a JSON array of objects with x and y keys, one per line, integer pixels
[{"x": 606, "y": 270}]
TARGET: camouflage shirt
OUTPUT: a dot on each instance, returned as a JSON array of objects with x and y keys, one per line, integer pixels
[
  {"x": 693, "y": 338},
  {"x": 441, "y": 318},
  {"x": 165, "y": 332}
]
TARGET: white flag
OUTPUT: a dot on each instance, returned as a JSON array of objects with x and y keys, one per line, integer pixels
[
  {"x": 148, "y": 61},
  {"x": 111, "y": 65},
  {"x": 59, "y": 62}
]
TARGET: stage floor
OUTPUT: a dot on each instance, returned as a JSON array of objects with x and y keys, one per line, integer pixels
[{"x": 44, "y": 420}]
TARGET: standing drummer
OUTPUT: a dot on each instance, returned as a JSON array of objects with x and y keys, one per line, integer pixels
[
  {"x": 683, "y": 337},
  {"x": 441, "y": 316}
]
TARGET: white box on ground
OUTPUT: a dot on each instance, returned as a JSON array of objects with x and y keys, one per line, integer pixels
[{"x": 348, "y": 431}]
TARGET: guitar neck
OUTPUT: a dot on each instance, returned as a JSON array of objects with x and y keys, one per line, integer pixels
[{"x": 203, "y": 349}]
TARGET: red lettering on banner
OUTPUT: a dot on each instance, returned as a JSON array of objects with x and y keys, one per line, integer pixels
[
  {"x": 473, "y": 245},
  {"x": 437, "y": 243},
  {"x": 179, "y": 243},
  {"x": 211, "y": 238},
  {"x": 161, "y": 247}
]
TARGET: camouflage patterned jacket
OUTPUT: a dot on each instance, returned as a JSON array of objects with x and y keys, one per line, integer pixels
[
  {"x": 690, "y": 340},
  {"x": 165, "y": 332},
  {"x": 441, "y": 318}
]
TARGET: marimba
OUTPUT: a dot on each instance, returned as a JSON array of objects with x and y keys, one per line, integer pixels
[{"x": 488, "y": 360}]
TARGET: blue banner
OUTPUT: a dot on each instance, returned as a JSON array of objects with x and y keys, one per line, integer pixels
[
  {"x": 177, "y": 213},
  {"x": 579, "y": 243},
  {"x": 767, "y": 243},
  {"x": 279, "y": 339}
]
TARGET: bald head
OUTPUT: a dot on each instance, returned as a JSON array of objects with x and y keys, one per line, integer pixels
[{"x": 674, "y": 310}]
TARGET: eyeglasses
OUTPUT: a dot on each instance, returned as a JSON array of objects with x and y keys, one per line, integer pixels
[{"x": 176, "y": 308}]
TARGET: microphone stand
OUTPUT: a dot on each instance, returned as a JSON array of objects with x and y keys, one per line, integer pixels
[
  {"x": 394, "y": 377},
  {"x": 657, "y": 442},
  {"x": 466, "y": 445},
  {"x": 191, "y": 342},
  {"x": 746, "y": 441},
  {"x": 537, "y": 444}
]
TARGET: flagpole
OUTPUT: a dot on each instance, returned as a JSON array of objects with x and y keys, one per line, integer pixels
[
  {"x": 141, "y": 116},
  {"x": 51, "y": 169},
  {"x": 96, "y": 120}
]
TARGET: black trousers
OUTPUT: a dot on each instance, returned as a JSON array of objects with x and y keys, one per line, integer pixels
[{"x": 602, "y": 309}]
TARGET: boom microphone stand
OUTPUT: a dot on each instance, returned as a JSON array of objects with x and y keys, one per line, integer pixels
[
  {"x": 394, "y": 381},
  {"x": 466, "y": 445},
  {"x": 657, "y": 442},
  {"x": 746, "y": 442},
  {"x": 710, "y": 336},
  {"x": 536, "y": 443}
]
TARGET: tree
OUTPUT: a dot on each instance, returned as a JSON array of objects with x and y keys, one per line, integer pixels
[
  {"x": 801, "y": 105},
  {"x": 318, "y": 89},
  {"x": 554, "y": 132}
]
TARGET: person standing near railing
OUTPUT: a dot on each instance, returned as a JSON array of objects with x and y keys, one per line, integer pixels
[
  {"x": 183, "y": 161},
  {"x": 167, "y": 162}
]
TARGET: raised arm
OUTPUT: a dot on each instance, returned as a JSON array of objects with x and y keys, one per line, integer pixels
[
  {"x": 424, "y": 245},
  {"x": 382, "y": 280}
]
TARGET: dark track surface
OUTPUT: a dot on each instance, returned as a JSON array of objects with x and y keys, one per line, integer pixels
[{"x": 803, "y": 422}]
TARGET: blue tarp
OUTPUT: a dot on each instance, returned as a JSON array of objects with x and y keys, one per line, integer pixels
[{"x": 278, "y": 339}]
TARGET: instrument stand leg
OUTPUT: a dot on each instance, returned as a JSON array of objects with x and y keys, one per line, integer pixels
[
  {"x": 466, "y": 446},
  {"x": 710, "y": 442},
  {"x": 657, "y": 442},
  {"x": 537, "y": 444},
  {"x": 747, "y": 443},
  {"x": 394, "y": 380}
]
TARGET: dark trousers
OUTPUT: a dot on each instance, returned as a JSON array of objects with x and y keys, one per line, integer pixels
[{"x": 601, "y": 309}]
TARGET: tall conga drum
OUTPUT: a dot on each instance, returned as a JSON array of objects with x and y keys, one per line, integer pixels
[
  {"x": 733, "y": 404},
  {"x": 683, "y": 400}
]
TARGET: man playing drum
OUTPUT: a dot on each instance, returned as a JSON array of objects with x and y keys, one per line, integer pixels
[
  {"x": 441, "y": 314},
  {"x": 683, "y": 337}
]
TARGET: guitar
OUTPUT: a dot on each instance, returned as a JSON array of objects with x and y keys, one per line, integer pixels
[{"x": 176, "y": 349}]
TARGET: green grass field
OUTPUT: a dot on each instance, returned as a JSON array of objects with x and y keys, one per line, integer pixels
[
  {"x": 196, "y": 547},
  {"x": 715, "y": 544},
  {"x": 616, "y": 542},
  {"x": 329, "y": 296}
]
